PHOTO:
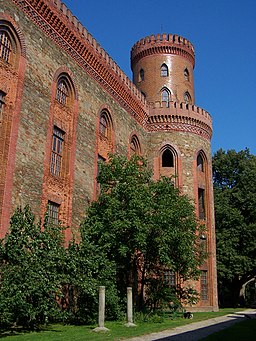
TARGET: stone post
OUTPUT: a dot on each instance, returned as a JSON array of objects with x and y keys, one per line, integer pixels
[
  {"x": 101, "y": 319},
  {"x": 129, "y": 308}
]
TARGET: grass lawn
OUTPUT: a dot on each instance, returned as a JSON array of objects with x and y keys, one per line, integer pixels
[
  {"x": 241, "y": 331},
  {"x": 118, "y": 331}
]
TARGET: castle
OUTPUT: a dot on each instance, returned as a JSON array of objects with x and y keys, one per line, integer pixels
[{"x": 65, "y": 104}]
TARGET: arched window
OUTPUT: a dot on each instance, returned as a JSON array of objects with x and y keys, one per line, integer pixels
[
  {"x": 186, "y": 74},
  {"x": 167, "y": 158},
  {"x": 135, "y": 146},
  {"x": 187, "y": 98},
  {"x": 141, "y": 75},
  {"x": 165, "y": 97},
  {"x": 105, "y": 125},
  {"x": 164, "y": 70},
  {"x": 200, "y": 163},
  {"x": 62, "y": 91},
  {"x": 5, "y": 47}
]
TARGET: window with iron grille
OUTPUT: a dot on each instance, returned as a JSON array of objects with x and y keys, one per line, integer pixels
[
  {"x": 5, "y": 46},
  {"x": 62, "y": 92},
  {"x": 53, "y": 213},
  {"x": 57, "y": 151},
  {"x": 170, "y": 278},
  {"x": 204, "y": 285}
]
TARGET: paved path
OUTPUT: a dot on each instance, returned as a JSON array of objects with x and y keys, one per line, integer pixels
[{"x": 199, "y": 330}]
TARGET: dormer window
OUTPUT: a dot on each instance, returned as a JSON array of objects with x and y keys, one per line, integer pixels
[{"x": 164, "y": 70}]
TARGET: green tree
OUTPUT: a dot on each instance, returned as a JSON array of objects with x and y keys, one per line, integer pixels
[
  {"x": 143, "y": 226},
  {"x": 31, "y": 263},
  {"x": 234, "y": 175},
  {"x": 41, "y": 280}
]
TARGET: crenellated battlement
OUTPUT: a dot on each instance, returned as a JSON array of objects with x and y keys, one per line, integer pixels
[
  {"x": 58, "y": 22},
  {"x": 163, "y": 43},
  {"x": 179, "y": 116}
]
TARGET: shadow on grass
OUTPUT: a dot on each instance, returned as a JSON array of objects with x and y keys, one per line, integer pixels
[{"x": 199, "y": 333}]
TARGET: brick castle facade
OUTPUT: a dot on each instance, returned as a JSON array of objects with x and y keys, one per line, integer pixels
[{"x": 65, "y": 104}]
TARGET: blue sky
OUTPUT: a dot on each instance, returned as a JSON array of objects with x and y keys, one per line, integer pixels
[{"x": 223, "y": 33}]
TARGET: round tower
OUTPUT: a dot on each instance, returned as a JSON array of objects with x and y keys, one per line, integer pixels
[
  {"x": 179, "y": 143},
  {"x": 162, "y": 66}
]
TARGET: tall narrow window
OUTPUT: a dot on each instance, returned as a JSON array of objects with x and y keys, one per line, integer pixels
[
  {"x": 62, "y": 92},
  {"x": 141, "y": 75},
  {"x": 53, "y": 213},
  {"x": 57, "y": 151},
  {"x": 167, "y": 159},
  {"x": 164, "y": 70},
  {"x": 187, "y": 98},
  {"x": 5, "y": 47},
  {"x": 201, "y": 203},
  {"x": 200, "y": 163},
  {"x": 170, "y": 278},
  {"x": 2, "y": 102},
  {"x": 204, "y": 285},
  {"x": 103, "y": 126},
  {"x": 186, "y": 74}
]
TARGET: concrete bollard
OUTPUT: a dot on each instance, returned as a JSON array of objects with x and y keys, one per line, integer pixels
[
  {"x": 101, "y": 319},
  {"x": 129, "y": 309}
]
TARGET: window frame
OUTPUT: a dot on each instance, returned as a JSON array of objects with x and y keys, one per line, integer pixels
[
  {"x": 204, "y": 285},
  {"x": 53, "y": 211},
  {"x": 5, "y": 46},
  {"x": 164, "y": 70},
  {"x": 62, "y": 91},
  {"x": 58, "y": 141}
]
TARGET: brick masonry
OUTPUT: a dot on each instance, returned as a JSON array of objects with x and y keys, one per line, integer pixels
[{"x": 48, "y": 43}]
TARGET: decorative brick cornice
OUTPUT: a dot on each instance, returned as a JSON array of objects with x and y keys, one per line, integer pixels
[
  {"x": 180, "y": 117},
  {"x": 162, "y": 44},
  {"x": 58, "y": 23}
]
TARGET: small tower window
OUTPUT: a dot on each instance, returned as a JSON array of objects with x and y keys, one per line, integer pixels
[
  {"x": 5, "y": 47},
  {"x": 165, "y": 97},
  {"x": 186, "y": 74},
  {"x": 167, "y": 159},
  {"x": 164, "y": 70},
  {"x": 141, "y": 75},
  {"x": 187, "y": 98},
  {"x": 200, "y": 163}
]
